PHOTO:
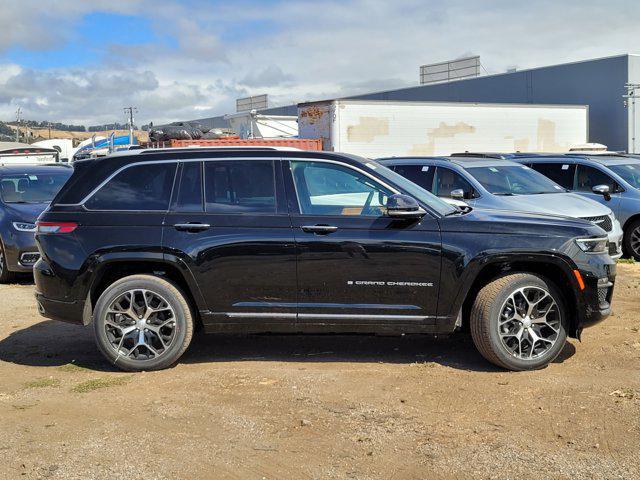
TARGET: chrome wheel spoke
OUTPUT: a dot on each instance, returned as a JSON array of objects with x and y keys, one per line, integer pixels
[
  {"x": 529, "y": 322},
  {"x": 140, "y": 324}
]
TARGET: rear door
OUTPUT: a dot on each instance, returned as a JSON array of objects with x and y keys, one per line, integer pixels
[
  {"x": 355, "y": 264},
  {"x": 230, "y": 228}
]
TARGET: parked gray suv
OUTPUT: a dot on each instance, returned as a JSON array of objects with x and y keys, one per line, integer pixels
[
  {"x": 497, "y": 184},
  {"x": 611, "y": 179}
]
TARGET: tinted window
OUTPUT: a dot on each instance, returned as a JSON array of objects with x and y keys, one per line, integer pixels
[
  {"x": 330, "y": 189},
  {"x": 513, "y": 180},
  {"x": 418, "y": 174},
  {"x": 561, "y": 173},
  {"x": 244, "y": 186},
  {"x": 32, "y": 188},
  {"x": 190, "y": 193},
  {"x": 142, "y": 187},
  {"x": 447, "y": 180},
  {"x": 589, "y": 177}
]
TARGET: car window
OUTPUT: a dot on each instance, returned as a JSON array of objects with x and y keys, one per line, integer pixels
[
  {"x": 513, "y": 180},
  {"x": 419, "y": 174},
  {"x": 589, "y": 177},
  {"x": 330, "y": 189},
  {"x": 32, "y": 188},
  {"x": 240, "y": 186},
  {"x": 140, "y": 187},
  {"x": 630, "y": 173},
  {"x": 447, "y": 180},
  {"x": 561, "y": 173},
  {"x": 190, "y": 192}
]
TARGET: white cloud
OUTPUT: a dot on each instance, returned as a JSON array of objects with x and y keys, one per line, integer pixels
[{"x": 292, "y": 50}]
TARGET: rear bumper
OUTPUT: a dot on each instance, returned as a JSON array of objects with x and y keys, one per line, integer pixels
[{"x": 69, "y": 312}]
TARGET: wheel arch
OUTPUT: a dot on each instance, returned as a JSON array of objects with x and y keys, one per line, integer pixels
[
  {"x": 110, "y": 269},
  {"x": 552, "y": 268}
]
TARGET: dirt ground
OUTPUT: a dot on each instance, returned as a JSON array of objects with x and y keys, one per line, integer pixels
[{"x": 318, "y": 407}]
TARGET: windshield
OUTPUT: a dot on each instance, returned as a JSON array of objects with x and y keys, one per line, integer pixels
[
  {"x": 630, "y": 173},
  {"x": 32, "y": 188},
  {"x": 416, "y": 191},
  {"x": 513, "y": 180}
]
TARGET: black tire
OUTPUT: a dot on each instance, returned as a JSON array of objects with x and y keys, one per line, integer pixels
[
  {"x": 6, "y": 276},
  {"x": 631, "y": 239},
  {"x": 485, "y": 322},
  {"x": 182, "y": 327}
]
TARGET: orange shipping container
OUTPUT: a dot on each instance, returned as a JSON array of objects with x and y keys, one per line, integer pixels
[{"x": 301, "y": 143}]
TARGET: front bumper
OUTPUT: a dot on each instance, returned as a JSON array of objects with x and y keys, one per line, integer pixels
[
  {"x": 20, "y": 251},
  {"x": 594, "y": 300},
  {"x": 615, "y": 240}
]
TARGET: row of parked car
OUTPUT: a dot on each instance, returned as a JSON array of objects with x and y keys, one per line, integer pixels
[
  {"x": 601, "y": 188},
  {"x": 148, "y": 245}
]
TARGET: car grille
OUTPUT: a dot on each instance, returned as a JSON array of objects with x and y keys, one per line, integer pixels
[
  {"x": 603, "y": 296},
  {"x": 603, "y": 222},
  {"x": 613, "y": 249}
]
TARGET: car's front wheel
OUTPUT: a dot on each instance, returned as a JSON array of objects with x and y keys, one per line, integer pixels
[
  {"x": 142, "y": 322},
  {"x": 518, "y": 322},
  {"x": 632, "y": 240},
  {"x": 6, "y": 276}
]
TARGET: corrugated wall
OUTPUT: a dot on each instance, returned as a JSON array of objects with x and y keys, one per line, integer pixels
[{"x": 597, "y": 83}]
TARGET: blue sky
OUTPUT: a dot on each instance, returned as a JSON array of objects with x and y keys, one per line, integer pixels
[{"x": 82, "y": 61}]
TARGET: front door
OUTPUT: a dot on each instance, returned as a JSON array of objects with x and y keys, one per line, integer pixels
[
  {"x": 230, "y": 228},
  {"x": 588, "y": 177},
  {"x": 355, "y": 264}
]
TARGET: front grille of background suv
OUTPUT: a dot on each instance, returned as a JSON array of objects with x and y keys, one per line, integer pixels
[{"x": 603, "y": 222}]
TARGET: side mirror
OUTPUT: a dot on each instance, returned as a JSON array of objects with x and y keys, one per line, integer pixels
[
  {"x": 603, "y": 190},
  {"x": 404, "y": 206},
  {"x": 458, "y": 194}
]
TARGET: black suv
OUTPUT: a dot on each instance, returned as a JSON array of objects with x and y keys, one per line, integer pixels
[{"x": 149, "y": 244}]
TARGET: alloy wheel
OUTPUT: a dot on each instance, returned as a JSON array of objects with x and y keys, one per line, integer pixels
[
  {"x": 140, "y": 324},
  {"x": 635, "y": 241},
  {"x": 529, "y": 323}
]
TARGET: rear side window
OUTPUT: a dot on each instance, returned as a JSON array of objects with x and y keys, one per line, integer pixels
[
  {"x": 190, "y": 192},
  {"x": 561, "y": 173},
  {"x": 141, "y": 187},
  {"x": 418, "y": 174},
  {"x": 240, "y": 186}
]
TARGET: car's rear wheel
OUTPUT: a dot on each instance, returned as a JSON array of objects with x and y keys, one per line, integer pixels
[
  {"x": 518, "y": 322},
  {"x": 143, "y": 322},
  {"x": 632, "y": 240},
  {"x": 6, "y": 276}
]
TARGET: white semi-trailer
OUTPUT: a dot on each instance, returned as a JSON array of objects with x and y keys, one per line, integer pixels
[{"x": 373, "y": 128}]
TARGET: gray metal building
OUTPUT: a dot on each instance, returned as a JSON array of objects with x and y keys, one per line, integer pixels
[{"x": 599, "y": 83}]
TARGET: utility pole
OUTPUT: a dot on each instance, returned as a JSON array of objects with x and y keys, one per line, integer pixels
[
  {"x": 630, "y": 98},
  {"x": 18, "y": 119},
  {"x": 129, "y": 111}
]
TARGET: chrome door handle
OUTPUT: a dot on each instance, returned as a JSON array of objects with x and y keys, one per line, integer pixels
[
  {"x": 319, "y": 229},
  {"x": 191, "y": 227}
]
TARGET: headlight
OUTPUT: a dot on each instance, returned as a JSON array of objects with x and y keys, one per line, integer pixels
[
  {"x": 24, "y": 226},
  {"x": 593, "y": 245}
]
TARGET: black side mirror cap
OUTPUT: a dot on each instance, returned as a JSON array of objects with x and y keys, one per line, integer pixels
[{"x": 404, "y": 206}]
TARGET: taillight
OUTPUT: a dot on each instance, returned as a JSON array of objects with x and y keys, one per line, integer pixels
[{"x": 56, "y": 227}]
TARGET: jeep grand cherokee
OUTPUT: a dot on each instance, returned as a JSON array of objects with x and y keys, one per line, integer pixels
[{"x": 149, "y": 244}]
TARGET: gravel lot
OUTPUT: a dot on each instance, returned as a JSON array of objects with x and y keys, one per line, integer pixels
[{"x": 275, "y": 407}]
